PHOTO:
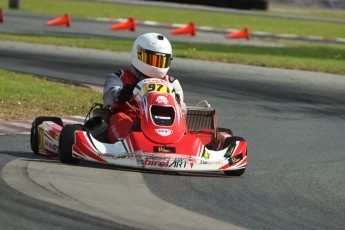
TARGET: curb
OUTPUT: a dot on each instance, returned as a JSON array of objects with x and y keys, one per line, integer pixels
[
  {"x": 257, "y": 34},
  {"x": 12, "y": 128}
]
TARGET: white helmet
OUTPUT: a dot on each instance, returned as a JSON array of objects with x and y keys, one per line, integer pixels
[{"x": 151, "y": 55}]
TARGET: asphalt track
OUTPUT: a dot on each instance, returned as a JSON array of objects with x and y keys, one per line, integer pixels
[{"x": 294, "y": 123}]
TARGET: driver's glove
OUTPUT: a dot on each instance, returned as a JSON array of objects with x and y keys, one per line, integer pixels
[{"x": 125, "y": 93}]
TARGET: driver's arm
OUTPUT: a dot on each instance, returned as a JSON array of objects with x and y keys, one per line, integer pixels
[
  {"x": 112, "y": 86},
  {"x": 179, "y": 91}
]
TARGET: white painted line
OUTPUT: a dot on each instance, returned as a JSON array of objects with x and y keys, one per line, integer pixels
[
  {"x": 24, "y": 133},
  {"x": 102, "y": 19},
  {"x": 206, "y": 28},
  {"x": 178, "y": 25},
  {"x": 315, "y": 38},
  {"x": 340, "y": 40},
  {"x": 79, "y": 117},
  {"x": 6, "y": 129},
  {"x": 71, "y": 121},
  {"x": 260, "y": 33},
  {"x": 151, "y": 23},
  {"x": 288, "y": 35},
  {"x": 20, "y": 124}
]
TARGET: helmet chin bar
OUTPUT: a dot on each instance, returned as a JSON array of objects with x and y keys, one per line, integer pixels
[{"x": 139, "y": 75}]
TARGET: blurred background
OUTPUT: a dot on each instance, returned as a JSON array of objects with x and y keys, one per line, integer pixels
[
  {"x": 237, "y": 4},
  {"x": 262, "y": 4}
]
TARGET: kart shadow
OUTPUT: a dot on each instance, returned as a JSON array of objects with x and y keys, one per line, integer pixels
[{"x": 29, "y": 156}]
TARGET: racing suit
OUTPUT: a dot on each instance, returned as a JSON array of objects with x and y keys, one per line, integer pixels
[{"x": 121, "y": 121}]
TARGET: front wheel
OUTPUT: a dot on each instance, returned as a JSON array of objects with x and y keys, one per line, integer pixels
[
  {"x": 34, "y": 136},
  {"x": 228, "y": 131},
  {"x": 66, "y": 143},
  {"x": 235, "y": 172}
]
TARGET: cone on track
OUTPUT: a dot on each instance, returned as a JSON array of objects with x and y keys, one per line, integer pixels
[
  {"x": 126, "y": 25},
  {"x": 239, "y": 34},
  {"x": 189, "y": 29},
  {"x": 60, "y": 21},
  {"x": 1, "y": 16}
]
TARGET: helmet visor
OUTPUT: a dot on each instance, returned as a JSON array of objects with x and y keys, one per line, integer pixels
[{"x": 156, "y": 59}]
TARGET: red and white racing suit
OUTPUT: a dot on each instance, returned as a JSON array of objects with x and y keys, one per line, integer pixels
[{"x": 121, "y": 121}]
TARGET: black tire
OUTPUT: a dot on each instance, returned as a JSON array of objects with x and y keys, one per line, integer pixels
[
  {"x": 34, "y": 141},
  {"x": 66, "y": 143},
  {"x": 229, "y": 131},
  {"x": 235, "y": 172}
]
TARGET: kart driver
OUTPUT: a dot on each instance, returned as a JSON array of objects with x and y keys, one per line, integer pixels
[{"x": 151, "y": 56}]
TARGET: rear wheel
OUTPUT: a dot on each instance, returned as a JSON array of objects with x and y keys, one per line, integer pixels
[
  {"x": 66, "y": 143},
  {"x": 34, "y": 138}
]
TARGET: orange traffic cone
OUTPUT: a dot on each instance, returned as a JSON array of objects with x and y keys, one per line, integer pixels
[
  {"x": 239, "y": 34},
  {"x": 189, "y": 29},
  {"x": 126, "y": 25},
  {"x": 60, "y": 21},
  {"x": 1, "y": 16}
]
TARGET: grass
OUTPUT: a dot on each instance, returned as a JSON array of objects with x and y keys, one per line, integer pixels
[
  {"x": 313, "y": 57},
  {"x": 86, "y": 9},
  {"x": 23, "y": 96}
]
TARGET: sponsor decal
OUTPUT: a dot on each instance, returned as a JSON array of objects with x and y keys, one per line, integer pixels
[
  {"x": 206, "y": 154},
  {"x": 179, "y": 163},
  {"x": 111, "y": 156},
  {"x": 230, "y": 150},
  {"x": 234, "y": 160},
  {"x": 205, "y": 162},
  {"x": 164, "y": 149},
  {"x": 121, "y": 156},
  {"x": 158, "y": 163},
  {"x": 162, "y": 100},
  {"x": 156, "y": 157},
  {"x": 114, "y": 130},
  {"x": 50, "y": 145},
  {"x": 138, "y": 48},
  {"x": 41, "y": 138},
  {"x": 164, "y": 132}
]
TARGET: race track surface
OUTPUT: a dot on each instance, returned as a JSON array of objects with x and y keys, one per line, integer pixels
[
  {"x": 294, "y": 123},
  {"x": 292, "y": 120}
]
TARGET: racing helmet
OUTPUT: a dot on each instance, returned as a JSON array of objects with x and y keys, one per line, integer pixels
[{"x": 151, "y": 55}]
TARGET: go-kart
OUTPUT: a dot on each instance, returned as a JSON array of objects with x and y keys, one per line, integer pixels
[{"x": 162, "y": 137}]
